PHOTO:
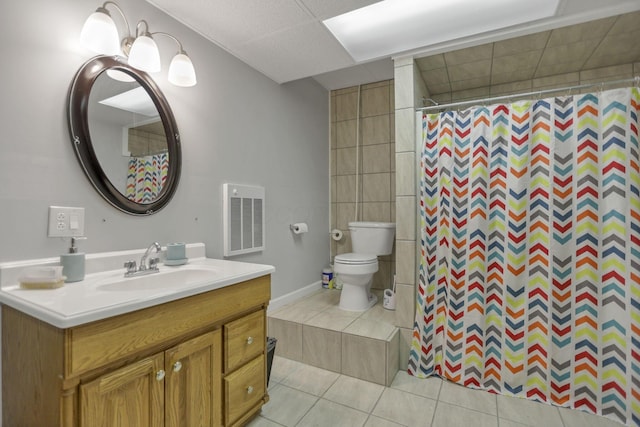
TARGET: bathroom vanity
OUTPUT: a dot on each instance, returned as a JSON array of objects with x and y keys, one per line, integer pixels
[{"x": 191, "y": 355}]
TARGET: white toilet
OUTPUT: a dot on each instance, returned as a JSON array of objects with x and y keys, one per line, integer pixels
[{"x": 356, "y": 269}]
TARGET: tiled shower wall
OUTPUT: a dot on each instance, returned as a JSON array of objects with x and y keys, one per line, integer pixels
[{"x": 365, "y": 174}]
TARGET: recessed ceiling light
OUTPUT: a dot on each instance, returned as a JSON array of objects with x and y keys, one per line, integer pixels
[{"x": 394, "y": 26}]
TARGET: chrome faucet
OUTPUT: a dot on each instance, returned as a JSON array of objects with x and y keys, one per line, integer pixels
[
  {"x": 143, "y": 268},
  {"x": 153, "y": 262}
]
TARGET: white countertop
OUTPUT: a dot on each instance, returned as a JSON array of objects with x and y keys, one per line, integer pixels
[{"x": 94, "y": 298}]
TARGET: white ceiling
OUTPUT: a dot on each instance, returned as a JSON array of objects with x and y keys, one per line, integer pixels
[{"x": 286, "y": 40}]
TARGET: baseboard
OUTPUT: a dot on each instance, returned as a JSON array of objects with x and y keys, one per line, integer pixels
[{"x": 283, "y": 300}]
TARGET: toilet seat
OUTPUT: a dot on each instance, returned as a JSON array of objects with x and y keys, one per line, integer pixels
[{"x": 355, "y": 259}]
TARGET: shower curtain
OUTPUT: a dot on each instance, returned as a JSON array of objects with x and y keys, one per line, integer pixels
[
  {"x": 146, "y": 176},
  {"x": 529, "y": 280}
]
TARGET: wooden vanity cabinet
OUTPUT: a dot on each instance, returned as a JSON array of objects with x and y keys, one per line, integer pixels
[{"x": 196, "y": 361}]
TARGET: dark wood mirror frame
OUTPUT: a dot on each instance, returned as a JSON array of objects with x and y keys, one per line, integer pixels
[{"x": 78, "y": 102}]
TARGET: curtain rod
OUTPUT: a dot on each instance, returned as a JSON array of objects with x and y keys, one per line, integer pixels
[{"x": 636, "y": 80}]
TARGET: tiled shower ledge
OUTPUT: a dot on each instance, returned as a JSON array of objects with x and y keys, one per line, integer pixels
[{"x": 315, "y": 331}]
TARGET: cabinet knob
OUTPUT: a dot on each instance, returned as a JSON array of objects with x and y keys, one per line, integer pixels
[
  {"x": 250, "y": 340},
  {"x": 160, "y": 375},
  {"x": 249, "y": 390},
  {"x": 177, "y": 366}
]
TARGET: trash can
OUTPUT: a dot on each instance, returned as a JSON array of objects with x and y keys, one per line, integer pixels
[{"x": 271, "y": 349}]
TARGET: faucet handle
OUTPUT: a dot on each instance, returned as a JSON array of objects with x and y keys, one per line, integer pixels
[
  {"x": 130, "y": 266},
  {"x": 153, "y": 263}
]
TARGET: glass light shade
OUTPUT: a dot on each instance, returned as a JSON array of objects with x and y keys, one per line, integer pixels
[
  {"x": 100, "y": 34},
  {"x": 144, "y": 54},
  {"x": 181, "y": 71}
]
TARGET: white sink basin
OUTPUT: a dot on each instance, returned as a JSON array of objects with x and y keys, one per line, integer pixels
[{"x": 166, "y": 278}]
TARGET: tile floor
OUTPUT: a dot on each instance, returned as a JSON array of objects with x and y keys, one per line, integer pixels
[
  {"x": 303, "y": 395},
  {"x": 313, "y": 330}
]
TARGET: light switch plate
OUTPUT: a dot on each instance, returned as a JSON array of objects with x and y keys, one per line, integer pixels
[{"x": 66, "y": 221}]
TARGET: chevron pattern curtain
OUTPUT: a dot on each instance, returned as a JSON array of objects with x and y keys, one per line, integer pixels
[
  {"x": 146, "y": 176},
  {"x": 529, "y": 280}
]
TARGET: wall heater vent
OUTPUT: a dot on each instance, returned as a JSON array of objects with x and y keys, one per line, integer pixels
[{"x": 243, "y": 219}]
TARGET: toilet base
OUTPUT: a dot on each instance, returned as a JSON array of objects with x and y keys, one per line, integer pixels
[{"x": 356, "y": 298}]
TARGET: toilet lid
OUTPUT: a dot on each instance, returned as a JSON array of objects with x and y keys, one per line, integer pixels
[{"x": 356, "y": 259}]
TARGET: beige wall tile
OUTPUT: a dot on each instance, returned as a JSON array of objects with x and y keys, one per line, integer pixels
[
  {"x": 463, "y": 56},
  {"x": 405, "y": 305},
  {"x": 332, "y": 165},
  {"x": 376, "y": 187},
  {"x": 376, "y": 158},
  {"x": 375, "y": 130},
  {"x": 406, "y": 218},
  {"x": 475, "y": 93},
  {"x": 436, "y": 76},
  {"x": 346, "y": 188},
  {"x": 406, "y": 174},
  {"x": 346, "y": 161},
  {"x": 509, "y": 88},
  {"x": 405, "y": 336},
  {"x": 345, "y": 134},
  {"x": 405, "y": 261},
  {"x": 322, "y": 348},
  {"x": 356, "y": 364},
  {"x": 346, "y": 106},
  {"x": 375, "y": 101},
  {"x": 393, "y": 358},
  {"x": 345, "y": 214},
  {"x": 289, "y": 336},
  {"x": 382, "y": 279},
  {"x": 392, "y": 126},
  {"x": 376, "y": 211},
  {"x": 576, "y": 33}
]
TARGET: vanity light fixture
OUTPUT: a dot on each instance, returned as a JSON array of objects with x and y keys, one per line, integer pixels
[{"x": 100, "y": 34}]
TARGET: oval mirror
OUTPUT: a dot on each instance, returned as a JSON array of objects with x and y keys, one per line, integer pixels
[{"x": 124, "y": 135}]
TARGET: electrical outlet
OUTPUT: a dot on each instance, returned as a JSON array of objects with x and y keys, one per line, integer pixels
[{"x": 66, "y": 222}]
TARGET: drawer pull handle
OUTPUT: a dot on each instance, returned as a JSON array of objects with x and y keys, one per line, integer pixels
[
  {"x": 249, "y": 390},
  {"x": 249, "y": 340},
  {"x": 160, "y": 375},
  {"x": 177, "y": 366}
]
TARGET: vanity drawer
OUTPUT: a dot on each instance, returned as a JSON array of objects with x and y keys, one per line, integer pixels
[
  {"x": 243, "y": 389},
  {"x": 244, "y": 339}
]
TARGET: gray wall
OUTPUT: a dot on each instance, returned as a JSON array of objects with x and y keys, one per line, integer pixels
[{"x": 236, "y": 126}]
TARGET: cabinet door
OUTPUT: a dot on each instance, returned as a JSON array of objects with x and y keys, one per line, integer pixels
[
  {"x": 194, "y": 384},
  {"x": 132, "y": 396}
]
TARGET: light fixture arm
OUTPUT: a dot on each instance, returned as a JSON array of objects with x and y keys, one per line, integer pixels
[{"x": 180, "y": 49}]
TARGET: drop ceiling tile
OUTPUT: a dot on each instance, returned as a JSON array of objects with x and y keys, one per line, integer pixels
[
  {"x": 286, "y": 55},
  {"x": 520, "y": 44},
  {"x": 575, "y": 33},
  {"x": 471, "y": 83},
  {"x": 230, "y": 23},
  {"x": 435, "y": 76},
  {"x": 512, "y": 87},
  {"x": 471, "y": 54},
  {"x": 519, "y": 61},
  {"x": 470, "y": 70},
  {"x": 574, "y": 52},
  {"x": 430, "y": 62},
  {"x": 436, "y": 89},
  {"x": 558, "y": 68},
  {"x": 558, "y": 80},
  {"x": 625, "y": 23},
  {"x": 324, "y": 9},
  {"x": 512, "y": 76}
]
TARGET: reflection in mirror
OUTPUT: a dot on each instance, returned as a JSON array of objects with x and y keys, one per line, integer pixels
[
  {"x": 124, "y": 135},
  {"x": 128, "y": 138}
]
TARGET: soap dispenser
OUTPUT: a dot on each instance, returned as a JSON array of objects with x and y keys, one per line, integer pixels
[{"x": 73, "y": 262}]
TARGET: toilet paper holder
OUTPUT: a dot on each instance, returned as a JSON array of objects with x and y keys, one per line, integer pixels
[{"x": 299, "y": 227}]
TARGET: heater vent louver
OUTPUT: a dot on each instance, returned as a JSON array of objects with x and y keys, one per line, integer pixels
[{"x": 243, "y": 219}]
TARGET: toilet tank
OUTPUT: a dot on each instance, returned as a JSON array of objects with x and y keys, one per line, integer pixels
[{"x": 372, "y": 237}]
